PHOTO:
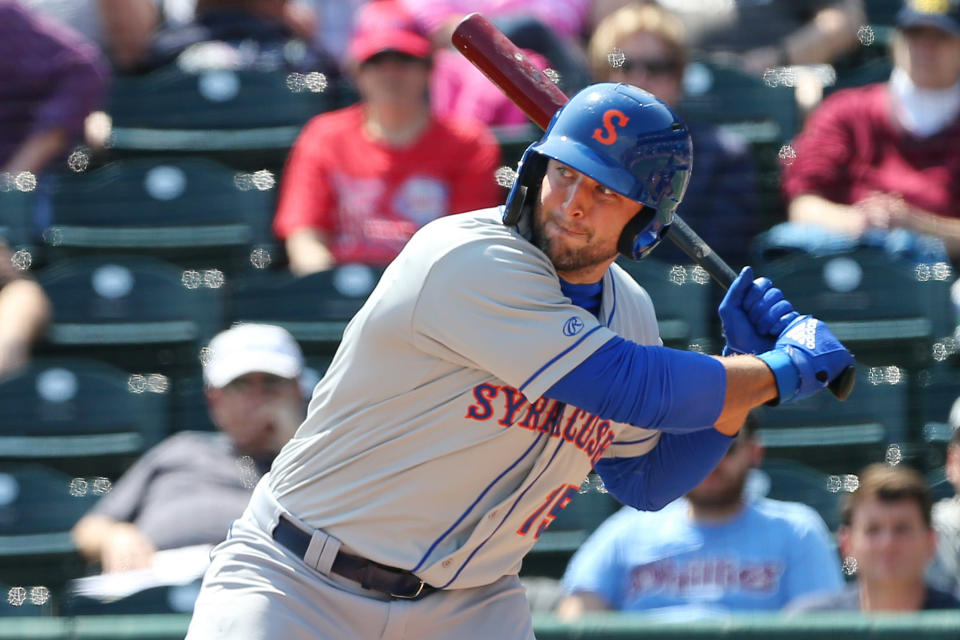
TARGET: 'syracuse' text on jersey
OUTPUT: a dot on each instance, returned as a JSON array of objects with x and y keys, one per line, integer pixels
[{"x": 428, "y": 445}]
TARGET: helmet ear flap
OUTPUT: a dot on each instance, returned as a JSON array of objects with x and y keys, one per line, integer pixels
[
  {"x": 634, "y": 227},
  {"x": 524, "y": 193},
  {"x": 514, "y": 208}
]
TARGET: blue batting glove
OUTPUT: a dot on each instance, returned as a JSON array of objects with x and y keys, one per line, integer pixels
[
  {"x": 805, "y": 359},
  {"x": 753, "y": 313}
]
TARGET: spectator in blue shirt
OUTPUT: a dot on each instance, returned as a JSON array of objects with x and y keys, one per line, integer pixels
[{"x": 710, "y": 554}]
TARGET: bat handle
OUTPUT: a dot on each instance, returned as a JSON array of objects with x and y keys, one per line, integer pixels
[{"x": 701, "y": 253}]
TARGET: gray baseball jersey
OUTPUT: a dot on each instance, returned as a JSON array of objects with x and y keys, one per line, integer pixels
[{"x": 429, "y": 445}]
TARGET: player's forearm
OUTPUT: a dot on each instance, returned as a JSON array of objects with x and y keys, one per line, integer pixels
[{"x": 750, "y": 383}]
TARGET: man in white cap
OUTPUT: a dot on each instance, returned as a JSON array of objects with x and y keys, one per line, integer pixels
[{"x": 190, "y": 487}]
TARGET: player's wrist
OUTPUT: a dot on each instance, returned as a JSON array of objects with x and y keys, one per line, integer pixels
[{"x": 785, "y": 373}]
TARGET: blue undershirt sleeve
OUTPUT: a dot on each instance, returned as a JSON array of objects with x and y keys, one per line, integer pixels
[
  {"x": 651, "y": 387},
  {"x": 678, "y": 463}
]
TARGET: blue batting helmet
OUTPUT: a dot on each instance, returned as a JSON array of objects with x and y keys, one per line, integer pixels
[{"x": 624, "y": 138}]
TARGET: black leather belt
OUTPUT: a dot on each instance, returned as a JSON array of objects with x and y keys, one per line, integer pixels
[{"x": 396, "y": 583}]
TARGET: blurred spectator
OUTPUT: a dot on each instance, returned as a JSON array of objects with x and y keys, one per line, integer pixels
[
  {"x": 887, "y": 538},
  {"x": 944, "y": 573},
  {"x": 24, "y": 313},
  {"x": 880, "y": 164},
  {"x": 121, "y": 28},
  {"x": 459, "y": 89},
  {"x": 758, "y": 35},
  {"x": 551, "y": 28},
  {"x": 243, "y": 34},
  {"x": 51, "y": 78},
  {"x": 190, "y": 487},
  {"x": 710, "y": 554},
  {"x": 325, "y": 21},
  {"x": 644, "y": 45},
  {"x": 360, "y": 181}
]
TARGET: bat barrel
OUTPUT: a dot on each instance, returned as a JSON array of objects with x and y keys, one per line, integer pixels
[{"x": 487, "y": 45}]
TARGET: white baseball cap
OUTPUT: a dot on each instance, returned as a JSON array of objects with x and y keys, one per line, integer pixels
[{"x": 249, "y": 348}]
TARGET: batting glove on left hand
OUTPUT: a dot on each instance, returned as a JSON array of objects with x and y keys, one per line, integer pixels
[{"x": 753, "y": 313}]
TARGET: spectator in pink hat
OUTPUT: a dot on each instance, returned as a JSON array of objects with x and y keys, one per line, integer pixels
[{"x": 361, "y": 180}]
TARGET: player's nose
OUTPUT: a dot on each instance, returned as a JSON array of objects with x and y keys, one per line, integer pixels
[{"x": 578, "y": 200}]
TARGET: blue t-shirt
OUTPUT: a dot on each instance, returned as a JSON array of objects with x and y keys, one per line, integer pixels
[{"x": 666, "y": 564}]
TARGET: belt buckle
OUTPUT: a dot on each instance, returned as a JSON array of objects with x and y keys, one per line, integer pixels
[{"x": 412, "y": 597}]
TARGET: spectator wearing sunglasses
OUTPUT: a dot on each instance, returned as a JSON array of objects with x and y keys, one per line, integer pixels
[{"x": 645, "y": 45}]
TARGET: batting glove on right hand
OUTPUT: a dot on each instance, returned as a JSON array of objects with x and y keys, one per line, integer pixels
[
  {"x": 805, "y": 359},
  {"x": 754, "y": 313}
]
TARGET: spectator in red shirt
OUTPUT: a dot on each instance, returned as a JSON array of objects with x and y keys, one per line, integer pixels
[
  {"x": 361, "y": 180},
  {"x": 886, "y": 157}
]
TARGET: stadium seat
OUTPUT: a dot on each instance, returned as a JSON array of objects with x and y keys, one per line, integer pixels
[
  {"x": 248, "y": 118},
  {"x": 937, "y": 389},
  {"x": 939, "y": 485},
  {"x": 16, "y": 211},
  {"x": 683, "y": 300},
  {"x": 38, "y": 507},
  {"x": 192, "y": 211},
  {"x": 141, "y": 314},
  {"x": 842, "y": 437},
  {"x": 793, "y": 481},
  {"x": 760, "y": 109},
  {"x": 315, "y": 309},
  {"x": 80, "y": 416},
  {"x": 885, "y": 309}
]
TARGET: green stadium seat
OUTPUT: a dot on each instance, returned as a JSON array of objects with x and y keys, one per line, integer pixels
[
  {"x": 192, "y": 211},
  {"x": 764, "y": 111},
  {"x": 245, "y": 117},
  {"x": 38, "y": 507},
  {"x": 886, "y": 310},
  {"x": 683, "y": 300},
  {"x": 315, "y": 309},
  {"x": 939, "y": 485},
  {"x": 80, "y": 416},
  {"x": 20, "y": 601},
  {"x": 761, "y": 110},
  {"x": 141, "y": 314},
  {"x": 16, "y": 212},
  {"x": 938, "y": 388},
  {"x": 794, "y": 481},
  {"x": 842, "y": 437}
]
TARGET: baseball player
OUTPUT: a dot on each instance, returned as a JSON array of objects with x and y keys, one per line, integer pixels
[{"x": 501, "y": 358}]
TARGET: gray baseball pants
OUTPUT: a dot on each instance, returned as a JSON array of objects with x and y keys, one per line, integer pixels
[{"x": 256, "y": 589}]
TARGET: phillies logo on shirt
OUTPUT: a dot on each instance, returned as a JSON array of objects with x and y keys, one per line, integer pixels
[{"x": 715, "y": 575}]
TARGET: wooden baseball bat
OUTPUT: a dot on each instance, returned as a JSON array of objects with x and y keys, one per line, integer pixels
[{"x": 491, "y": 51}]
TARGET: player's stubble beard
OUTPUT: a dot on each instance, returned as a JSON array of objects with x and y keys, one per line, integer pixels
[{"x": 564, "y": 257}]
